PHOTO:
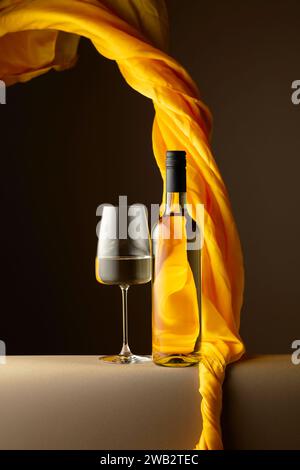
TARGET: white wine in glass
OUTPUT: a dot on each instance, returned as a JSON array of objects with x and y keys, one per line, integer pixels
[{"x": 124, "y": 261}]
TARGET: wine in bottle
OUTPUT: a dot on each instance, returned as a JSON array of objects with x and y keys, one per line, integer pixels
[{"x": 176, "y": 278}]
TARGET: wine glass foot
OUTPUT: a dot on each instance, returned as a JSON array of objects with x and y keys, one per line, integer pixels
[{"x": 122, "y": 359}]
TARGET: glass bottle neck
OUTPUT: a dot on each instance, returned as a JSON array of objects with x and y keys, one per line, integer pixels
[{"x": 175, "y": 202}]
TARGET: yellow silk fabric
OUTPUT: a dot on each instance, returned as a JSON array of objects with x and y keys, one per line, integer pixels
[{"x": 33, "y": 40}]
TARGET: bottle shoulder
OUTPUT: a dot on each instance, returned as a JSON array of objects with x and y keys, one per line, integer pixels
[{"x": 192, "y": 229}]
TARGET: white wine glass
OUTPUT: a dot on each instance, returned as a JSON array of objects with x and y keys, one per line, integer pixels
[{"x": 124, "y": 259}]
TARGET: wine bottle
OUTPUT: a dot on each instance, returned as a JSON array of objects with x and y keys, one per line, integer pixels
[{"x": 176, "y": 279}]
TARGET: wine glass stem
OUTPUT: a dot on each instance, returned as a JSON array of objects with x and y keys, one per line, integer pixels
[{"x": 125, "y": 349}]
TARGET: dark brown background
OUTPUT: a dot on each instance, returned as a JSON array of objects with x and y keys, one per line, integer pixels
[{"x": 72, "y": 140}]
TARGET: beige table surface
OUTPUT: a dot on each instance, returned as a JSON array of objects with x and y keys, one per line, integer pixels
[
  {"x": 261, "y": 404},
  {"x": 77, "y": 402}
]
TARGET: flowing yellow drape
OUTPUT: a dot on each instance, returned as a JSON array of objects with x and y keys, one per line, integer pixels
[{"x": 37, "y": 35}]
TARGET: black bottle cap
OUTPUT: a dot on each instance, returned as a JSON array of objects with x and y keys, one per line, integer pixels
[
  {"x": 176, "y": 158},
  {"x": 176, "y": 173}
]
